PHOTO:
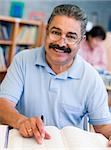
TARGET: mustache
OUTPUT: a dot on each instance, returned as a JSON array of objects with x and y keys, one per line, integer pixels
[{"x": 63, "y": 48}]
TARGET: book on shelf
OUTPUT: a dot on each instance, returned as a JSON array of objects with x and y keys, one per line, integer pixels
[
  {"x": 27, "y": 34},
  {"x": 32, "y": 34},
  {"x": 21, "y": 34},
  {"x": 2, "y": 59},
  {"x": 5, "y": 30},
  {"x": 67, "y": 138}
]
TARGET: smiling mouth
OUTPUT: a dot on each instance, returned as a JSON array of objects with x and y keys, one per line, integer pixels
[{"x": 58, "y": 50}]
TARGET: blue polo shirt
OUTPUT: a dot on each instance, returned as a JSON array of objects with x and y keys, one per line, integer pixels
[{"x": 63, "y": 99}]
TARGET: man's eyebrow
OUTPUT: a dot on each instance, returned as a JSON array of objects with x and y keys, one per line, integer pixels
[
  {"x": 73, "y": 33},
  {"x": 56, "y": 28}
]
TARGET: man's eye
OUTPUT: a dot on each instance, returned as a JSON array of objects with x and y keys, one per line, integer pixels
[
  {"x": 56, "y": 32},
  {"x": 72, "y": 37}
]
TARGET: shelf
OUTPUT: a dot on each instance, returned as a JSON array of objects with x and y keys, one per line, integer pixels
[
  {"x": 7, "y": 19},
  {"x": 24, "y": 43},
  {"x": 31, "y": 22},
  {"x": 5, "y": 42}
]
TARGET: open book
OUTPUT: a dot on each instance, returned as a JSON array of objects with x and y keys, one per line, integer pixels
[
  {"x": 68, "y": 138},
  {"x": 3, "y": 136}
]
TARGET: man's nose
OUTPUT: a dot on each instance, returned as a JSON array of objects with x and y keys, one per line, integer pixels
[{"x": 62, "y": 40}]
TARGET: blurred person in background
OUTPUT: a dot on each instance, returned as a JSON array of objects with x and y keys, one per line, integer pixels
[{"x": 92, "y": 49}]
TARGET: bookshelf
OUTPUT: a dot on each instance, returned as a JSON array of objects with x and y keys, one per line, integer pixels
[{"x": 18, "y": 34}]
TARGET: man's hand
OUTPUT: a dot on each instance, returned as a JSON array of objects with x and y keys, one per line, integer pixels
[
  {"x": 105, "y": 130},
  {"x": 34, "y": 126}
]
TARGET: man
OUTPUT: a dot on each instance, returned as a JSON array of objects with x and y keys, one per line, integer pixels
[
  {"x": 55, "y": 82},
  {"x": 92, "y": 49}
]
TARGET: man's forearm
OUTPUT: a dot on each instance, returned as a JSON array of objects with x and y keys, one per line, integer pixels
[
  {"x": 8, "y": 114},
  {"x": 104, "y": 129}
]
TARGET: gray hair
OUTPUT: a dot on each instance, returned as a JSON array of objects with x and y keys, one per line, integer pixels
[{"x": 71, "y": 11}]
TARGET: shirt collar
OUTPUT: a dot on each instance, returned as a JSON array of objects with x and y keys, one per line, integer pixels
[
  {"x": 75, "y": 71},
  {"x": 40, "y": 57},
  {"x": 77, "y": 68}
]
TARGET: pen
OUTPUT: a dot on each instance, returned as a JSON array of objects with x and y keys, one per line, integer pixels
[{"x": 42, "y": 117}]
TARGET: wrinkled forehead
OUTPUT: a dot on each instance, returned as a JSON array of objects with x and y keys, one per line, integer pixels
[{"x": 66, "y": 24}]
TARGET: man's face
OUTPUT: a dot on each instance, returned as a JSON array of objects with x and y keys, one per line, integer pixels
[{"x": 62, "y": 40}]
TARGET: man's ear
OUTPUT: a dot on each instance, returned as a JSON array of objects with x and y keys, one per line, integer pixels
[
  {"x": 46, "y": 28},
  {"x": 83, "y": 38},
  {"x": 45, "y": 31}
]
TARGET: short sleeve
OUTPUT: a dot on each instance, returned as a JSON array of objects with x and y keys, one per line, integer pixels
[
  {"x": 12, "y": 85},
  {"x": 98, "y": 110}
]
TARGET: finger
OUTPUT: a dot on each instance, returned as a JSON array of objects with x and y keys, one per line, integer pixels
[
  {"x": 37, "y": 131},
  {"x": 29, "y": 127},
  {"x": 47, "y": 135},
  {"x": 37, "y": 135},
  {"x": 30, "y": 132},
  {"x": 23, "y": 131},
  {"x": 40, "y": 124},
  {"x": 42, "y": 133}
]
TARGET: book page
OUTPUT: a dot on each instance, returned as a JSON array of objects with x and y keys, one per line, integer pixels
[
  {"x": 75, "y": 138},
  {"x": 3, "y": 136},
  {"x": 16, "y": 141}
]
